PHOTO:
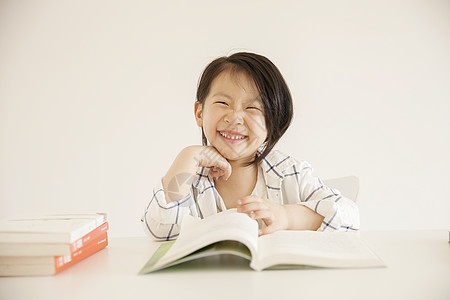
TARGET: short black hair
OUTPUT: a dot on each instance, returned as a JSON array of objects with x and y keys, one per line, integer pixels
[{"x": 272, "y": 88}]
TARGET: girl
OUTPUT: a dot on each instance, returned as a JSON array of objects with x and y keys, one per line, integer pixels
[{"x": 244, "y": 107}]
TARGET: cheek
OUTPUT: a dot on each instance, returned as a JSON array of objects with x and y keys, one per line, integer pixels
[
  {"x": 258, "y": 125},
  {"x": 209, "y": 123}
]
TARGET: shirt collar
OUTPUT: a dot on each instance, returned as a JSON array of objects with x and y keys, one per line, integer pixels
[
  {"x": 273, "y": 165},
  {"x": 276, "y": 163}
]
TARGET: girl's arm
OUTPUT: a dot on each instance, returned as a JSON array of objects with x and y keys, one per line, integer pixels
[
  {"x": 310, "y": 205},
  {"x": 279, "y": 217},
  {"x": 301, "y": 217},
  {"x": 173, "y": 196},
  {"x": 339, "y": 213},
  {"x": 177, "y": 181}
]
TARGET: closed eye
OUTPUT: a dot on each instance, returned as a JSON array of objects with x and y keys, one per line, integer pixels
[
  {"x": 221, "y": 102},
  {"x": 253, "y": 107}
]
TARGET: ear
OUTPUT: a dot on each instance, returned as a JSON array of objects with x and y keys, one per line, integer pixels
[{"x": 198, "y": 112}]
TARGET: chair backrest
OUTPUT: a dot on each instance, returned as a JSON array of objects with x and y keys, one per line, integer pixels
[{"x": 348, "y": 186}]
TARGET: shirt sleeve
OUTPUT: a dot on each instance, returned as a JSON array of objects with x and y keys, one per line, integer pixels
[
  {"x": 162, "y": 220},
  {"x": 339, "y": 212}
]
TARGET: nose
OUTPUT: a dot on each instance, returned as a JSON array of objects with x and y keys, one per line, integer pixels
[{"x": 234, "y": 117}]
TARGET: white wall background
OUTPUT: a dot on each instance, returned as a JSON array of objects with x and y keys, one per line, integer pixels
[{"x": 96, "y": 98}]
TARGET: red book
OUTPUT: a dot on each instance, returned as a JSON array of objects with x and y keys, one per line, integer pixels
[
  {"x": 94, "y": 234},
  {"x": 94, "y": 245}
]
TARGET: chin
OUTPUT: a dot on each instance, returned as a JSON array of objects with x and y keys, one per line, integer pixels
[{"x": 231, "y": 155}]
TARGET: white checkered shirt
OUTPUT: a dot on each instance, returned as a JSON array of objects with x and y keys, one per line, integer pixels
[{"x": 288, "y": 181}]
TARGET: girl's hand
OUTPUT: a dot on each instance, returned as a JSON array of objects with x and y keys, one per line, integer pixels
[
  {"x": 274, "y": 215},
  {"x": 209, "y": 157}
]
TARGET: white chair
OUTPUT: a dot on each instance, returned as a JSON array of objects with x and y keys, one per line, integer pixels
[{"x": 348, "y": 186}]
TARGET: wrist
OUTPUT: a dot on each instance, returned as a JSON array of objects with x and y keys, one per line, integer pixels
[
  {"x": 286, "y": 217},
  {"x": 301, "y": 217}
]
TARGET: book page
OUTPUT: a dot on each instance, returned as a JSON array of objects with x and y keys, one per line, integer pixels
[
  {"x": 312, "y": 248},
  {"x": 198, "y": 233}
]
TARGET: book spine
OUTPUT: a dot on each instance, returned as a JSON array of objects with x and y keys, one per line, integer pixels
[
  {"x": 82, "y": 231},
  {"x": 94, "y": 234},
  {"x": 64, "y": 261}
]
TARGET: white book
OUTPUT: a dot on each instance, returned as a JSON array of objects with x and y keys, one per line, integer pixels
[
  {"x": 237, "y": 234},
  {"x": 56, "y": 228},
  {"x": 51, "y": 249}
]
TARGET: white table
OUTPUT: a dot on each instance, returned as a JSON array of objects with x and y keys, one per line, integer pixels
[{"x": 418, "y": 268}]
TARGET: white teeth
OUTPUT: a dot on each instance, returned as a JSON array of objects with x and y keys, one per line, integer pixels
[{"x": 232, "y": 137}]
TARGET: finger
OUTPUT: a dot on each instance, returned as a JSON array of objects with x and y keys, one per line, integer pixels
[
  {"x": 217, "y": 172},
  {"x": 211, "y": 158},
  {"x": 249, "y": 199},
  {"x": 267, "y": 230},
  {"x": 223, "y": 167},
  {"x": 214, "y": 172},
  {"x": 227, "y": 171},
  {"x": 265, "y": 214},
  {"x": 251, "y": 207},
  {"x": 221, "y": 162}
]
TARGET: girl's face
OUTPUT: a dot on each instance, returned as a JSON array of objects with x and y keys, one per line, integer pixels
[{"x": 232, "y": 116}]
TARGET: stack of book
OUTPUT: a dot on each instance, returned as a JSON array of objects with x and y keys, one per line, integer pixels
[{"x": 48, "y": 244}]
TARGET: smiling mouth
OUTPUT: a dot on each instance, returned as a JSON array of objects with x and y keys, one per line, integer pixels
[{"x": 232, "y": 137}]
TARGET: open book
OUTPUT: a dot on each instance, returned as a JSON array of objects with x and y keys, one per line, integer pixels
[{"x": 237, "y": 234}]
